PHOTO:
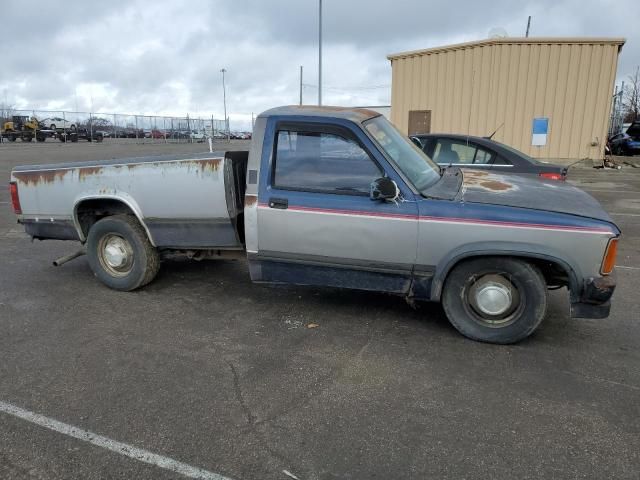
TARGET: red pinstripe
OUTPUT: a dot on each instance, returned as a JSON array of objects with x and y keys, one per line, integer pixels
[{"x": 538, "y": 226}]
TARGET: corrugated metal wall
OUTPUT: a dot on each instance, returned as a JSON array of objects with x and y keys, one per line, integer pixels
[{"x": 473, "y": 89}]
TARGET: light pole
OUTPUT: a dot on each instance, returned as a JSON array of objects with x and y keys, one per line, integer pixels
[
  {"x": 224, "y": 98},
  {"x": 320, "y": 52}
]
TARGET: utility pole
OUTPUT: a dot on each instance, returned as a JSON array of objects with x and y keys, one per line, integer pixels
[
  {"x": 528, "y": 25},
  {"x": 300, "y": 84},
  {"x": 320, "y": 52},
  {"x": 224, "y": 97}
]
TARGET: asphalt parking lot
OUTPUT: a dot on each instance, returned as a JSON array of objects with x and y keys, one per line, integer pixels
[{"x": 204, "y": 368}]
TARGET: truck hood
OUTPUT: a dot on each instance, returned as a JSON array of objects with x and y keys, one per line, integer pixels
[{"x": 531, "y": 193}]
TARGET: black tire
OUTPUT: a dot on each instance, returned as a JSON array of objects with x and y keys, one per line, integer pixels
[
  {"x": 145, "y": 260},
  {"x": 516, "y": 280},
  {"x": 52, "y": 127}
]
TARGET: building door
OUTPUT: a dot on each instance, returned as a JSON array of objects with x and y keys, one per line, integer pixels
[{"x": 419, "y": 122}]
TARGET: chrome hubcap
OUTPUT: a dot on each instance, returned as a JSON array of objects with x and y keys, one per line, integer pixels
[
  {"x": 116, "y": 255},
  {"x": 493, "y": 298}
]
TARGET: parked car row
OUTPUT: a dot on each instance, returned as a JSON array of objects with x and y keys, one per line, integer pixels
[
  {"x": 198, "y": 135},
  {"x": 233, "y": 135}
]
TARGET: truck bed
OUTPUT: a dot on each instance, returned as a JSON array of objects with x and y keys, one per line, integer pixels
[{"x": 183, "y": 201}]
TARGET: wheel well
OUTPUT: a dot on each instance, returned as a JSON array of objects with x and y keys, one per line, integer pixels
[
  {"x": 90, "y": 211},
  {"x": 556, "y": 274}
]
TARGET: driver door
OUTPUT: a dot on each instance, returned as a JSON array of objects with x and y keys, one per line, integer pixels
[{"x": 316, "y": 222}]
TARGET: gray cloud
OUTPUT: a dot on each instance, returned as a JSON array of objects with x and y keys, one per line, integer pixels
[{"x": 165, "y": 56}]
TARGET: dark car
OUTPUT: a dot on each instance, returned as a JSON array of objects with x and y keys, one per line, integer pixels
[
  {"x": 484, "y": 154},
  {"x": 627, "y": 143}
]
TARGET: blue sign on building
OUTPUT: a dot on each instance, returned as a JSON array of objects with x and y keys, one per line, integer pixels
[{"x": 539, "y": 131}]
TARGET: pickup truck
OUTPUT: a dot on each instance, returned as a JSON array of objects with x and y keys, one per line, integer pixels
[{"x": 338, "y": 197}]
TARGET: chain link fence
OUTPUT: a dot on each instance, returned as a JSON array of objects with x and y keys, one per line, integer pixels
[{"x": 118, "y": 127}]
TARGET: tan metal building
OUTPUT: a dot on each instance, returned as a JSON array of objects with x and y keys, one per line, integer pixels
[{"x": 562, "y": 85}]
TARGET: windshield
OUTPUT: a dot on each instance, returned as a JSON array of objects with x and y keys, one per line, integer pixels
[{"x": 412, "y": 161}]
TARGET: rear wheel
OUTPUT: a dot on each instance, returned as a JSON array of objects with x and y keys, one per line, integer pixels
[
  {"x": 495, "y": 299},
  {"x": 120, "y": 254}
]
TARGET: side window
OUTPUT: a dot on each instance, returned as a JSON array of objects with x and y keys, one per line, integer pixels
[
  {"x": 450, "y": 151},
  {"x": 315, "y": 161},
  {"x": 453, "y": 151},
  {"x": 482, "y": 156}
]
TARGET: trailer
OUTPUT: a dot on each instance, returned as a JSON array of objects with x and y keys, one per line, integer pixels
[{"x": 79, "y": 134}]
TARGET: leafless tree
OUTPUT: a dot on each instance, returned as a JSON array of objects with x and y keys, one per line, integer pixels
[
  {"x": 6, "y": 112},
  {"x": 631, "y": 97},
  {"x": 98, "y": 123}
]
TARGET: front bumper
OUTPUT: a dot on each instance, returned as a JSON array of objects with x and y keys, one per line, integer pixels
[{"x": 595, "y": 301}]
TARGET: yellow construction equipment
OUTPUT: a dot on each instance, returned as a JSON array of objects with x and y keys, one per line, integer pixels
[{"x": 24, "y": 127}]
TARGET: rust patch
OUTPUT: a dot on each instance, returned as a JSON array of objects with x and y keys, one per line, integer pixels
[
  {"x": 486, "y": 181},
  {"x": 250, "y": 200},
  {"x": 211, "y": 164},
  {"x": 40, "y": 176},
  {"x": 85, "y": 172}
]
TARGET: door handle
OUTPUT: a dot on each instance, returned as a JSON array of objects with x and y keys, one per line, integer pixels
[{"x": 280, "y": 203}]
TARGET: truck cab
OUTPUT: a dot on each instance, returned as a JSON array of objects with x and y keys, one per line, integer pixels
[{"x": 309, "y": 215}]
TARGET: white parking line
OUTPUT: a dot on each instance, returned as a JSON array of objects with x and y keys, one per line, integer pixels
[
  {"x": 626, "y": 214},
  {"x": 628, "y": 268},
  {"x": 109, "y": 444}
]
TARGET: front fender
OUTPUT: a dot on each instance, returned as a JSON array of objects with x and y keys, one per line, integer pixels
[{"x": 513, "y": 249}]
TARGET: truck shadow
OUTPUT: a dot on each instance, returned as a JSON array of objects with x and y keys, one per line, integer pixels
[{"x": 229, "y": 282}]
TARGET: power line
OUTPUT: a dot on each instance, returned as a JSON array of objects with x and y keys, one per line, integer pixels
[{"x": 348, "y": 89}]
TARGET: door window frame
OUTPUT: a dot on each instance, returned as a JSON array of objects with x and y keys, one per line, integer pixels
[{"x": 312, "y": 127}]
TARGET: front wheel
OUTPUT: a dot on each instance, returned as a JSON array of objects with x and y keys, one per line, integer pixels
[
  {"x": 495, "y": 299},
  {"x": 120, "y": 254}
]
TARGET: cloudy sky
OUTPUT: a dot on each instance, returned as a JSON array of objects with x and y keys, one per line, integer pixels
[{"x": 164, "y": 57}]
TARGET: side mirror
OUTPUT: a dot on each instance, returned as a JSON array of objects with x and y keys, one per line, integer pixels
[
  {"x": 384, "y": 189},
  {"x": 416, "y": 142}
]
